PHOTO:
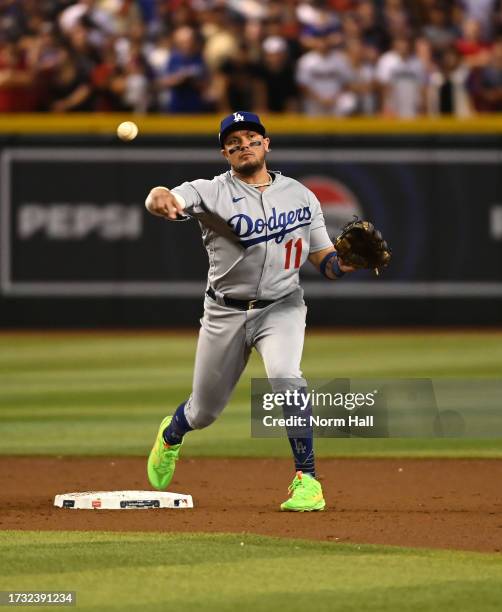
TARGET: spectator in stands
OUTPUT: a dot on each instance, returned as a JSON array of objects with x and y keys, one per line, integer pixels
[
  {"x": 183, "y": 55},
  {"x": 350, "y": 27},
  {"x": 121, "y": 88},
  {"x": 220, "y": 38},
  {"x": 148, "y": 10},
  {"x": 447, "y": 90},
  {"x": 159, "y": 54},
  {"x": 134, "y": 43},
  {"x": 471, "y": 46},
  {"x": 16, "y": 79},
  {"x": 101, "y": 23},
  {"x": 481, "y": 11},
  {"x": 252, "y": 37},
  {"x": 373, "y": 31},
  {"x": 316, "y": 20},
  {"x": 321, "y": 76},
  {"x": 157, "y": 59},
  {"x": 48, "y": 45},
  {"x": 286, "y": 27},
  {"x": 250, "y": 10},
  {"x": 497, "y": 19},
  {"x": 69, "y": 88},
  {"x": 78, "y": 40},
  {"x": 396, "y": 18},
  {"x": 423, "y": 52},
  {"x": 107, "y": 82},
  {"x": 402, "y": 77},
  {"x": 438, "y": 30},
  {"x": 136, "y": 93},
  {"x": 122, "y": 17},
  {"x": 281, "y": 21},
  {"x": 277, "y": 74},
  {"x": 486, "y": 82},
  {"x": 360, "y": 96},
  {"x": 185, "y": 75},
  {"x": 341, "y": 6},
  {"x": 236, "y": 84},
  {"x": 12, "y": 21}
]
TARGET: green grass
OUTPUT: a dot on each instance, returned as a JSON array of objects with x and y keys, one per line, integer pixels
[
  {"x": 80, "y": 394},
  {"x": 216, "y": 572}
]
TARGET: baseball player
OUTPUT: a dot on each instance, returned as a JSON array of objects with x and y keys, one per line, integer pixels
[{"x": 269, "y": 225}]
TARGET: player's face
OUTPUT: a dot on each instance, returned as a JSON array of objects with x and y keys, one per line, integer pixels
[{"x": 245, "y": 150}]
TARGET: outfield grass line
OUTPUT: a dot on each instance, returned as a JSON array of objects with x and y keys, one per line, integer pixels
[
  {"x": 16, "y": 392},
  {"x": 65, "y": 538},
  {"x": 217, "y": 572},
  {"x": 123, "y": 384},
  {"x": 173, "y": 332},
  {"x": 97, "y": 372}
]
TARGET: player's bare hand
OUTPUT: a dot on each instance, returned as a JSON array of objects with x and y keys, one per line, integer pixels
[
  {"x": 344, "y": 267},
  {"x": 163, "y": 203}
]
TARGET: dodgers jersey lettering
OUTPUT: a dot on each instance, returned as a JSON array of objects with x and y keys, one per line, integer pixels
[{"x": 278, "y": 229}]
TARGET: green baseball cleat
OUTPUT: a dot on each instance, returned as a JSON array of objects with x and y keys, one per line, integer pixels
[
  {"x": 162, "y": 459},
  {"x": 306, "y": 495}
]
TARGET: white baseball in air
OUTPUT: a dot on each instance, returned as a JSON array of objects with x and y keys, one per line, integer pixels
[{"x": 127, "y": 130}]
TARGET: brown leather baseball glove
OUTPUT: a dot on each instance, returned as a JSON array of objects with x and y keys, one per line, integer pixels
[{"x": 361, "y": 245}]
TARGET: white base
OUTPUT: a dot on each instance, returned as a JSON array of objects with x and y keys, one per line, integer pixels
[{"x": 122, "y": 500}]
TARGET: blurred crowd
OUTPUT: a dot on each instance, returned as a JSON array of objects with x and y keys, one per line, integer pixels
[{"x": 318, "y": 57}]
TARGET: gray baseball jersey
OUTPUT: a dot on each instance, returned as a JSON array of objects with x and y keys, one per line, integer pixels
[{"x": 278, "y": 228}]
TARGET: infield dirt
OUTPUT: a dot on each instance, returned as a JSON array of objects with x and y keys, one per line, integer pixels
[{"x": 448, "y": 503}]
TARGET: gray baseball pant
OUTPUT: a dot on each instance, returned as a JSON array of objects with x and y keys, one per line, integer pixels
[{"x": 226, "y": 338}]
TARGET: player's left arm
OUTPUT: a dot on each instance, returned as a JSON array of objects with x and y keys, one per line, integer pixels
[
  {"x": 322, "y": 253},
  {"x": 329, "y": 264}
]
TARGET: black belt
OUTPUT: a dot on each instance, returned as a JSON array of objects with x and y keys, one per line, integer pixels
[{"x": 241, "y": 304}]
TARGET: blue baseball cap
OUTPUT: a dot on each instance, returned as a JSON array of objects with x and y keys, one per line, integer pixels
[{"x": 240, "y": 120}]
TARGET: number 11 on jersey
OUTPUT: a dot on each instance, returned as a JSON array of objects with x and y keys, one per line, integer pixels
[{"x": 298, "y": 253}]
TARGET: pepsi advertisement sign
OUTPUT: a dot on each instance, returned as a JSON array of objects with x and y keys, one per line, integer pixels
[{"x": 73, "y": 222}]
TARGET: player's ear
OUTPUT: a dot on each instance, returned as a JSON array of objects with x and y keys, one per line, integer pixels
[
  {"x": 266, "y": 144},
  {"x": 225, "y": 154}
]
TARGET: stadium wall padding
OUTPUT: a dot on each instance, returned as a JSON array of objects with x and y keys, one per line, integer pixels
[{"x": 78, "y": 248}]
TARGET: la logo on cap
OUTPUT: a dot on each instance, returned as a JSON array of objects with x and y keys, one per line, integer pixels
[{"x": 238, "y": 117}]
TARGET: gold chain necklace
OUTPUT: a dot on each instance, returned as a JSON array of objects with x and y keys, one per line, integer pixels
[{"x": 256, "y": 185}]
